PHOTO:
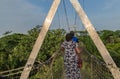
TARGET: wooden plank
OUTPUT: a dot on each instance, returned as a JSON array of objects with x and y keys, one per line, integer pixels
[
  {"x": 40, "y": 40},
  {"x": 97, "y": 41}
]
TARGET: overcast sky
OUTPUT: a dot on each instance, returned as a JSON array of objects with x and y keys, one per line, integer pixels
[{"x": 22, "y": 15}]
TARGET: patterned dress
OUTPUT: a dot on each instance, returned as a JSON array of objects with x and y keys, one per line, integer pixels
[{"x": 70, "y": 60}]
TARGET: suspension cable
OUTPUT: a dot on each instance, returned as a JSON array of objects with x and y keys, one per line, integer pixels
[
  {"x": 66, "y": 14},
  {"x": 75, "y": 19},
  {"x": 58, "y": 18},
  {"x": 83, "y": 5}
]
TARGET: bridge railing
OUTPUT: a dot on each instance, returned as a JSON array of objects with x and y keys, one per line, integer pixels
[
  {"x": 93, "y": 68},
  {"x": 15, "y": 73}
]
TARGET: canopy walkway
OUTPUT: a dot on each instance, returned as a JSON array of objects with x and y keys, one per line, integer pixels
[{"x": 92, "y": 68}]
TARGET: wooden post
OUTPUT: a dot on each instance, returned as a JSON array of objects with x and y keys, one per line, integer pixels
[
  {"x": 40, "y": 39},
  {"x": 97, "y": 41}
]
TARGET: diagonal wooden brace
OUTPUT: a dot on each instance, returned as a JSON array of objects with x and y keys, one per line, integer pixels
[
  {"x": 40, "y": 39},
  {"x": 97, "y": 41}
]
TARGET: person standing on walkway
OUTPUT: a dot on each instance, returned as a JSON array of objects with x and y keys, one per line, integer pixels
[
  {"x": 70, "y": 57},
  {"x": 75, "y": 39}
]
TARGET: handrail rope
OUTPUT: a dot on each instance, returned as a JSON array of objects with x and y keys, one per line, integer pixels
[
  {"x": 99, "y": 71},
  {"x": 98, "y": 68},
  {"x": 41, "y": 64},
  {"x": 92, "y": 56},
  {"x": 54, "y": 54},
  {"x": 12, "y": 70},
  {"x": 51, "y": 66},
  {"x": 11, "y": 74},
  {"x": 51, "y": 59},
  {"x": 96, "y": 59},
  {"x": 88, "y": 52}
]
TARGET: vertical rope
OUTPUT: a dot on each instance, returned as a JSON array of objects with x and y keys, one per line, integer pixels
[
  {"x": 75, "y": 19},
  {"x": 83, "y": 5},
  {"x": 91, "y": 68},
  {"x": 58, "y": 18},
  {"x": 66, "y": 14},
  {"x": 83, "y": 9}
]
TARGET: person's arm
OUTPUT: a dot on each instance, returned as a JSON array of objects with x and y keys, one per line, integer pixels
[
  {"x": 77, "y": 50},
  {"x": 62, "y": 49}
]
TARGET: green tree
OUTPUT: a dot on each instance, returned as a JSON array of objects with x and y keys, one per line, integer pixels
[{"x": 7, "y": 45}]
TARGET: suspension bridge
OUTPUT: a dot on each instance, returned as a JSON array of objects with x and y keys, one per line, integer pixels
[{"x": 96, "y": 69}]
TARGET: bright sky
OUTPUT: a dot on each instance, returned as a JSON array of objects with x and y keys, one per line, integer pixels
[{"x": 22, "y": 15}]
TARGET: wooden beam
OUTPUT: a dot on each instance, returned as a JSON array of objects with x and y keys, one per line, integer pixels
[
  {"x": 40, "y": 39},
  {"x": 97, "y": 41}
]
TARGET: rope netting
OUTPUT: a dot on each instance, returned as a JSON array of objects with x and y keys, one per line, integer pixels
[
  {"x": 92, "y": 68},
  {"x": 45, "y": 67}
]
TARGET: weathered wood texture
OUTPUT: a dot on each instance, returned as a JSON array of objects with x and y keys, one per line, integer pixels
[
  {"x": 40, "y": 39},
  {"x": 97, "y": 41}
]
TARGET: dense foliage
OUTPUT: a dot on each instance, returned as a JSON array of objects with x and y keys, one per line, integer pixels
[
  {"x": 15, "y": 48},
  {"x": 111, "y": 40}
]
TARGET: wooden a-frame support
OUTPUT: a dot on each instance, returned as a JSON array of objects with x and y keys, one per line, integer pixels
[
  {"x": 89, "y": 27},
  {"x": 40, "y": 39}
]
